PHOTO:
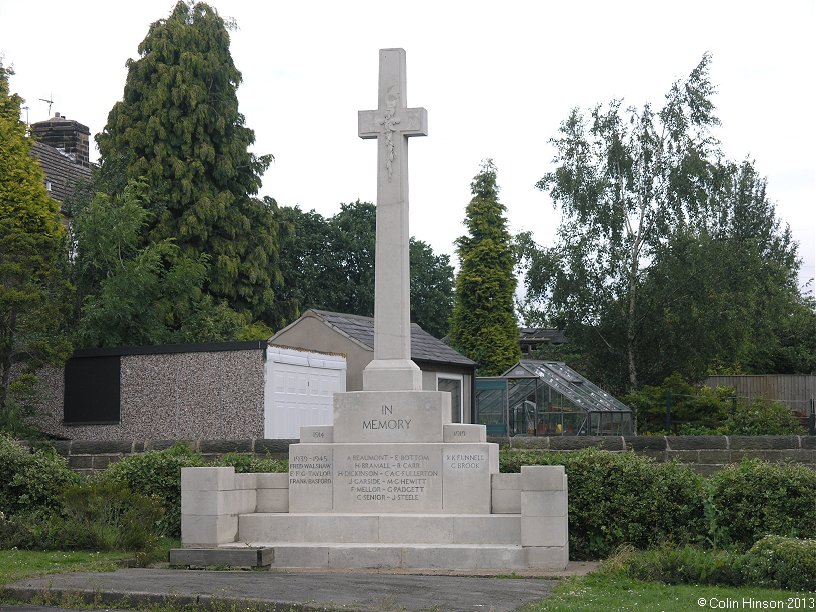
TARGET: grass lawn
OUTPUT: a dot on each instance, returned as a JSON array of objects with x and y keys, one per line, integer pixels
[
  {"x": 615, "y": 592},
  {"x": 16, "y": 564}
]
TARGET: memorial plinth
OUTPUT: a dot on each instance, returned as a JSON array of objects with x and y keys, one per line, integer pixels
[
  {"x": 392, "y": 452},
  {"x": 352, "y": 501}
]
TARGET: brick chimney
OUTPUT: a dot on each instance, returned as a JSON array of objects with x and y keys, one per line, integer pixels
[{"x": 67, "y": 136}]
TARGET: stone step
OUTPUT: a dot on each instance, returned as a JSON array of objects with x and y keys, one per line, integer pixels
[
  {"x": 405, "y": 556},
  {"x": 398, "y": 529}
]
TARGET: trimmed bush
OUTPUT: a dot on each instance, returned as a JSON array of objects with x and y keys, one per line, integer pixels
[
  {"x": 761, "y": 417},
  {"x": 15, "y": 533},
  {"x": 685, "y": 565},
  {"x": 707, "y": 411},
  {"x": 31, "y": 480},
  {"x": 250, "y": 463},
  {"x": 157, "y": 474},
  {"x": 617, "y": 498},
  {"x": 105, "y": 516},
  {"x": 782, "y": 563},
  {"x": 756, "y": 498}
]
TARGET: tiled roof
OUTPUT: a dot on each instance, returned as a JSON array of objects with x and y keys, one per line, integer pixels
[
  {"x": 542, "y": 334},
  {"x": 424, "y": 347},
  {"x": 60, "y": 170}
]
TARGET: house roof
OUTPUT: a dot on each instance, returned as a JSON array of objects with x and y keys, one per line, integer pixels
[
  {"x": 60, "y": 170},
  {"x": 541, "y": 334},
  {"x": 360, "y": 329}
]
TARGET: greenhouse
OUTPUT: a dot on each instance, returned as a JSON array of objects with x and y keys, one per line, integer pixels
[{"x": 547, "y": 398}]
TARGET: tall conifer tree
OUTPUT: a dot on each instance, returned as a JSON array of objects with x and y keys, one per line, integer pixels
[
  {"x": 179, "y": 129},
  {"x": 483, "y": 325},
  {"x": 34, "y": 291}
]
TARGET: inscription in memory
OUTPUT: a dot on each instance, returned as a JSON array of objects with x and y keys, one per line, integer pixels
[
  {"x": 388, "y": 421},
  {"x": 387, "y": 476},
  {"x": 465, "y": 461},
  {"x": 310, "y": 470}
]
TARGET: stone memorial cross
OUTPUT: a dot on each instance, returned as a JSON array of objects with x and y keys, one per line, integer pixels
[{"x": 391, "y": 124}]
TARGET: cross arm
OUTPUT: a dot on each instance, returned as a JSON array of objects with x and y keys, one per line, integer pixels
[{"x": 410, "y": 122}]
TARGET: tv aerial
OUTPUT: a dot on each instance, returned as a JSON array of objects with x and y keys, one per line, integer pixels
[{"x": 49, "y": 102}]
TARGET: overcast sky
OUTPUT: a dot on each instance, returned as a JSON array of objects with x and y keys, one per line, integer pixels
[{"x": 496, "y": 78}]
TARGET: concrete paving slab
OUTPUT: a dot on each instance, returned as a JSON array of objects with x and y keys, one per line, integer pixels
[{"x": 361, "y": 591}]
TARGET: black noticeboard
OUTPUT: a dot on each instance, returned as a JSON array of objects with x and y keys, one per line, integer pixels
[{"x": 92, "y": 390}]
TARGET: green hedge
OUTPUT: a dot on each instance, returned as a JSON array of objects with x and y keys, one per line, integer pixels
[
  {"x": 783, "y": 563},
  {"x": 158, "y": 474},
  {"x": 31, "y": 480},
  {"x": 773, "y": 562},
  {"x": 754, "y": 498},
  {"x": 681, "y": 565},
  {"x": 617, "y": 498}
]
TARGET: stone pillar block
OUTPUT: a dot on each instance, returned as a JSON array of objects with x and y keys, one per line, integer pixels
[
  {"x": 199, "y": 531},
  {"x": 542, "y": 477},
  {"x": 273, "y": 493},
  {"x": 389, "y": 417},
  {"x": 543, "y": 530},
  {"x": 547, "y": 557},
  {"x": 246, "y": 481},
  {"x": 505, "y": 494},
  {"x": 544, "y": 521},
  {"x": 310, "y": 477},
  {"x": 207, "y": 479},
  {"x": 217, "y": 503},
  {"x": 317, "y": 434},
  {"x": 211, "y": 500},
  {"x": 459, "y": 432},
  {"x": 466, "y": 477},
  {"x": 544, "y": 503}
]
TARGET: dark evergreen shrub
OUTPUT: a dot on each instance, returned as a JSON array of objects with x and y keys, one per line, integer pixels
[
  {"x": 250, "y": 463},
  {"x": 686, "y": 565},
  {"x": 617, "y": 498},
  {"x": 157, "y": 474},
  {"x": 755, "y": 498},
  {"x": 31, "y": 480},
  {"x": 782, "y": 563}
]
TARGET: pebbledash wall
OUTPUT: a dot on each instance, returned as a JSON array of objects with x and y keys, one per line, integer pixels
[
  {"x": 176, "y": 392},
  {"x": 706, "y": 454}
]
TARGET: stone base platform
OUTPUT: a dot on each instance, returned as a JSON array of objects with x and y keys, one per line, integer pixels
[
  {"x": 238, "y": 556},
  {"x": 466, "y": 516},
  {"x": 482, "y": 529},
  {"x": 335, "y": 555}
]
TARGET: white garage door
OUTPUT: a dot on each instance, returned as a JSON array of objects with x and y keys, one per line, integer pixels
[{"x": 298, "y": 390}]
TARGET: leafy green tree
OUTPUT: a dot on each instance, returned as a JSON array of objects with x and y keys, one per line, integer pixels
[
  {"x": 303, "y": 244},
  {"x": 723, "y": 295},
  {"x": 34, "y": 290},
  {"x": 178, "y": 128},
  {"x": 432, "y": 292},
  {"x": 329, "y": 264},
  {"x": 623, "y": 179},
  {"x": 483, "y": 324},
  {"x": 143, "y": 294},
  {"x": 352, "y": 235}
]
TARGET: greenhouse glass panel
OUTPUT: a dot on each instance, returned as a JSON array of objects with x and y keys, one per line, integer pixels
[{"x": 548, "y": 398}]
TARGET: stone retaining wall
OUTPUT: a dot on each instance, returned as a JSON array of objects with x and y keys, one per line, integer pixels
[
  {"x": 706, "y": 454},
  {"x": 87, "y": 457}
]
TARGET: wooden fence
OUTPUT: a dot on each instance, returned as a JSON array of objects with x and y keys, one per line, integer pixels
[{"x": 795, "y": 391}]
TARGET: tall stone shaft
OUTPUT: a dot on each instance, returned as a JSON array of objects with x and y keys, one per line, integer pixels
[{"x": 392, "y": 124}]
